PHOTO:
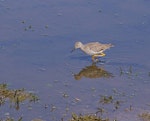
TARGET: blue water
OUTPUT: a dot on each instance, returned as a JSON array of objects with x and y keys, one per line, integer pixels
[{"x": 36, "y": 38}]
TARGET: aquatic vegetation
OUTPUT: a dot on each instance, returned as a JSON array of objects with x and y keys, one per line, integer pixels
[
  {"x": 20, "y": 119},
  {"x": 37, "y": 119},
  {"x": 15, "y": 96},
  {"x": 121, "y": 71},
  {"x": 53, "y": 108},
  {"x": 128, "y": 72},
  {"x": 27, "y": 27},
  {"x": 112, "y": 100},
  {"x": 145, "y": 116},
  {"x": 11, "y": 119},
  {"x": 65, "y": 95},
  {"x": 106, "y": 99},
  {"x": 90, "y": 117},
  {"x": 101, "y": 111}
]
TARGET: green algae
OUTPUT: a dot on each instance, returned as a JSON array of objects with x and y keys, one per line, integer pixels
[
  {"x": 15, "y": 96},
  {"x": 90, "y": 117},
  {"x": 145, "y": 116}
]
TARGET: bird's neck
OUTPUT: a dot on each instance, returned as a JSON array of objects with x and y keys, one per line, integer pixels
[{"x": 82, "y": 48}]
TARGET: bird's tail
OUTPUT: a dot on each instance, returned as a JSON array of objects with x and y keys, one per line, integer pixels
[{"x": 110, "y": 45}]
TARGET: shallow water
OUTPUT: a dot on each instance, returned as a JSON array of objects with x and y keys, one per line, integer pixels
[{"x": 36, "y": 38}]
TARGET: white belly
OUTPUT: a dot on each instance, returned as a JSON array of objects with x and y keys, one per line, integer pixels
[{"x": 90, "y": 52}]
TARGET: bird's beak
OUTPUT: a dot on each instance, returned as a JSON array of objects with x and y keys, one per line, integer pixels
[{"x": 72, "y": 50}]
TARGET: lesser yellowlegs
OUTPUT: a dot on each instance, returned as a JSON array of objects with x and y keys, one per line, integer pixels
[{"x": 94, "y": 49}]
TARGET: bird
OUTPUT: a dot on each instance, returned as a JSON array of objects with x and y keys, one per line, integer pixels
[{"x": 94, "y": 49}]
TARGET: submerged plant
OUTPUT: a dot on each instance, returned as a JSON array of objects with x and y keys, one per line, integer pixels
[
  {"x": 129, "y": 72},
  {"x": 121, "y": 71},
  {"x": 11, "y": 119},
  {"x": 111, "y": 100},
  {"x": 145, "y": 116},
  {"x": 20, "y": 119},
  {"x": 106, "y": 99},
  {"x": 90, "y": 117},
  {"x": 15, "y": 96}
]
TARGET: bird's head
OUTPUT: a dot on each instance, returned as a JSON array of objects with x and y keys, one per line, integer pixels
[{"x": 78, "y": 45}]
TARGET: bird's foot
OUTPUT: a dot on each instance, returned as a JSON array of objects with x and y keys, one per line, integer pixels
[
  {"x": 102, "y": 54},
  {"x": 96, "y": 61},
  {"x": 95, "y": 58}
]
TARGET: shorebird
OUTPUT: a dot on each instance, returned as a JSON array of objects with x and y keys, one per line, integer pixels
[{"x": 94, "y": 49}]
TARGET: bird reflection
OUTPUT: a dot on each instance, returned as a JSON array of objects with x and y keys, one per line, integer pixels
[{"x": 93, "y": 71}]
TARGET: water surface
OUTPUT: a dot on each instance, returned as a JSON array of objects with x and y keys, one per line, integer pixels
[{"x": 36, "y": 38}]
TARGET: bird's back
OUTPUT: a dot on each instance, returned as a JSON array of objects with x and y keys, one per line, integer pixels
[{"x": 96, "y": 47}]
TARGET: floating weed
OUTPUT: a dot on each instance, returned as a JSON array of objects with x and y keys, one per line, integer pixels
[
  {"x": 46, "y": 106},
  {"x": 130, "y": 108},
  {"x": 116, "y": 104},
  {"x": 15, "y": 96},
  {"x": 20, "y": 119},
  {"x": 145, "y": 116},
  {"x": 106, "y": 99},
  {"x": 101, "y": 111},
  {"x": 115, "y": 90},
  {"x": 29, "y": 27},
  {"x": 115, "y": 100},
  {"x": 37, "y": 119},
  {"x": 121, "y": 71},
  {"x": 34, "y": 97},
  {"x": 130, "y": 70},
  {"x": 3, "y": 86},
  {"x": 90, "y": 117},
  {"x": 53, "y": 108},
  {"x": 65, "y": 95},
  {"x": 11, "y": 119},
  {"x": 118, "y": 93},
  {"x": 77, "y": 99}
]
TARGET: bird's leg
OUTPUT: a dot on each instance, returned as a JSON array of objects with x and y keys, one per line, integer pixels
[
  {"x": 102, "y": 54},
  {"x": 94, "y": 58}
]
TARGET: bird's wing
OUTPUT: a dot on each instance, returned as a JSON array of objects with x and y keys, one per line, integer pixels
[{"x": 95, "y": 46}]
